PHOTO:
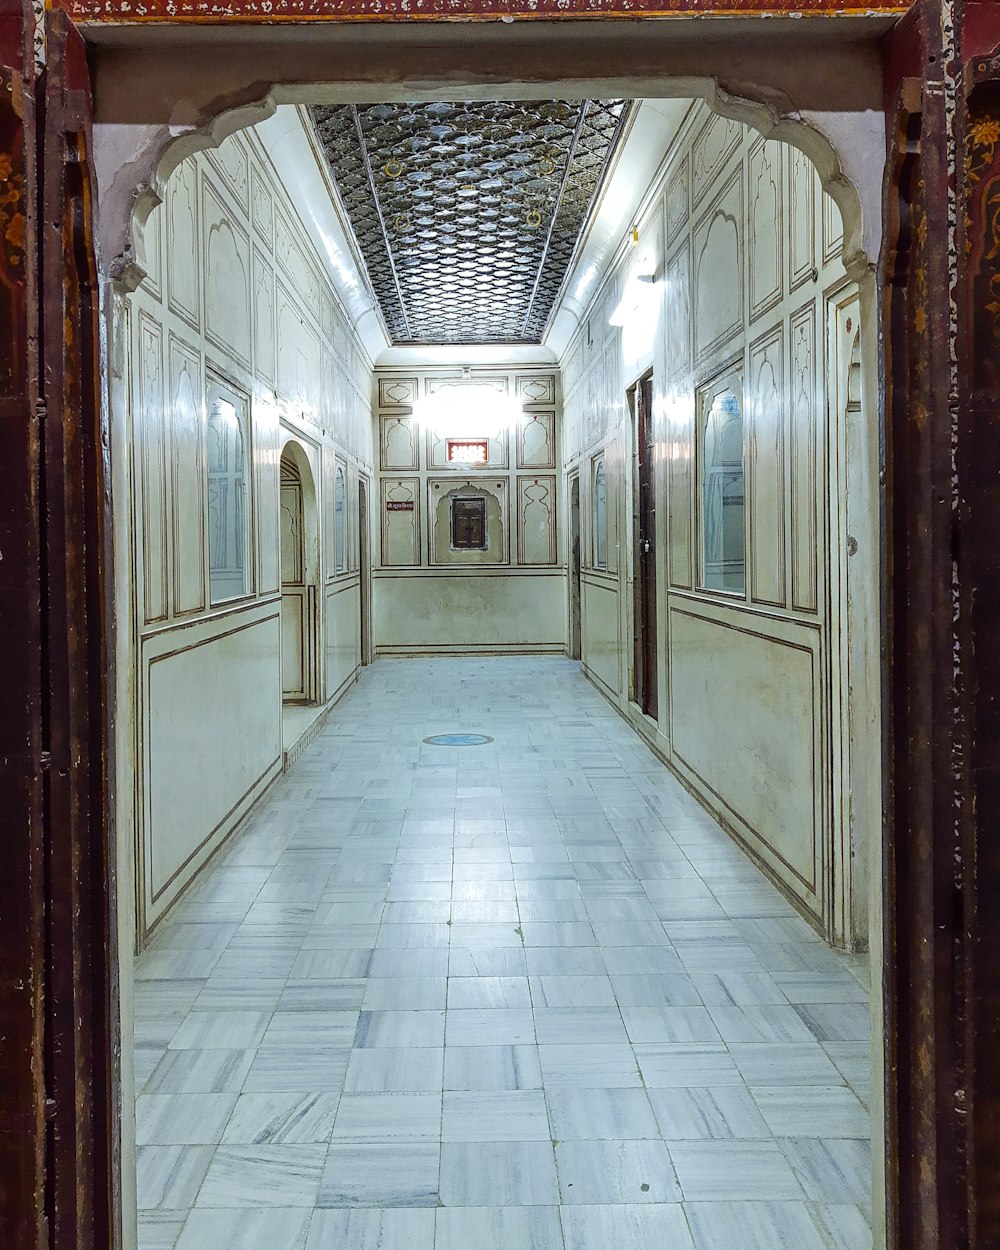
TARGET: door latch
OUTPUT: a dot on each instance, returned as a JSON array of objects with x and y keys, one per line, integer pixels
[{"x": 645, "y": 546}]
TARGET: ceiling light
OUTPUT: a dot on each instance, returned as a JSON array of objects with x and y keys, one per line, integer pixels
[{"x": 468, "y": 411}]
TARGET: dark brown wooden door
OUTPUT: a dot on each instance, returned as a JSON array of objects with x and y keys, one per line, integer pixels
[
  {"x": 575, "y": 573},
  {"x": 57, "y": 1027},
  {"x": 22, "y": 797},
  {"x": 645, "y": 658}
]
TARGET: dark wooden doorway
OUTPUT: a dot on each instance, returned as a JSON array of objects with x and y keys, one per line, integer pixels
[
  {"x": 365, "y": 571},
  {"x": 58, "y": 968},
  {"x": 575, "y": 589},
  {"x": 59, "y": 1030},
  {"x": 645, "y": 667}
]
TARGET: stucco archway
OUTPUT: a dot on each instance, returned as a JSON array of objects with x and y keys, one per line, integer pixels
[
  {"x": 136, "y": 158},
  {"x": 299, "y": 562}
]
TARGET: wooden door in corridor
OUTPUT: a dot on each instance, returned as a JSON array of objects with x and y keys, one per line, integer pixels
[{"x": 644, "y": 555}]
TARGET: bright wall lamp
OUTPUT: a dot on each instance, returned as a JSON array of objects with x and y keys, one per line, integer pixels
[
  {"x": 637, "y": 298},
  {"x": 468, "y": 410}
]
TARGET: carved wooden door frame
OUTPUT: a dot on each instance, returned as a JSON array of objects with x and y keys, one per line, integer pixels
[
  {"x": 58, "y": 970},
  {"x": 942, "y": 585},
  {"x": 58, "y": 1024}
]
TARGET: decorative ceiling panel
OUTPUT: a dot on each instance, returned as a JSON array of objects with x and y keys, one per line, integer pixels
[{"x": 467, "y": 215}]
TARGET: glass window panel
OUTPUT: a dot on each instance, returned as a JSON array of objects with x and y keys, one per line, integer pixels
[
  {"x": 228, "y": 505},
  {"x": 340, "y": 519},
  {"x": 600, "y": 517},
  {"x": 723, "y": 496}
]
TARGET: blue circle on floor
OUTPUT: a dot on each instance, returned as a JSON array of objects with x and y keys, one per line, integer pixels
[{"x": 458, "y": 740}]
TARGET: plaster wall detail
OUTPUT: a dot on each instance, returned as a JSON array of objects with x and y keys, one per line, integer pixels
[
  {"x": 744, "y": 252},
  {"x": 236, "y": 303}
]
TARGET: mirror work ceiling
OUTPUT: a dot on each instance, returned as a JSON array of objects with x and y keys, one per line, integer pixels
[{"x": 467, "y": 215}]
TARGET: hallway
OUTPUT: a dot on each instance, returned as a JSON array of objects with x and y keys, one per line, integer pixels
[{"x": 517, "y": 996}]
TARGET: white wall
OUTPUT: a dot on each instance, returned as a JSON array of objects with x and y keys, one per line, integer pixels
[
  {"x": 429, "y": 599},
  {"x": 750, "y": 292},
  {"x": 237, "y": 292}
]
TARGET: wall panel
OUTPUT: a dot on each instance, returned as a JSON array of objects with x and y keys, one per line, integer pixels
[
  {"x": 187, "y": 464},
  {"x": 438, "y": 612},
  {"x": 155, "y": 502},
  {"x": 212, "y": 734},
  {"x": 182, "y": 244},
  {"x": 750, "y": 244},
  {"x": 343, "y": 632},
  {"x": 760, "y": 764},
  {"x": 801, "y": 219},
  {"x": 227, "y": 278},
  {"x": 208, "y": 708},
  {"x": 718, "y": 277},
  {"x": 536, "y": 520},
  {"x": 601, "y": 641},
  {"x": 401, "y": 528},
  {"x": 767, "y": 250},
  {"x": 806, "y": 417},
  {"x": 765, "y": 409}
]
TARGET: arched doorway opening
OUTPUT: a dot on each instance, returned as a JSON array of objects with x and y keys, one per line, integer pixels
[
  {"x": 342, "y": 522},
  {"x": 299, "y": 544}
]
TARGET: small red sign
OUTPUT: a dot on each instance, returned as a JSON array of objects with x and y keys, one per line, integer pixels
[{"x": 399, "y": 505}]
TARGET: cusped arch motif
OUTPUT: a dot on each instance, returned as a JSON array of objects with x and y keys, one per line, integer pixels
[
  {"x": 294, "y": 459},
  {"x": 162, "y": 150}
]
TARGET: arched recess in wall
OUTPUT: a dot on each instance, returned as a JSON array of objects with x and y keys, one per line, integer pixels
[{"x": 298, "y": 530}]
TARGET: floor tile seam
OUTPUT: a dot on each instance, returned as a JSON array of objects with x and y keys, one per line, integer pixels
[
  {"x": 811, "y": 1209},
  {"x": 656, "y": 1120},
  {"x": 184, "y": 1223},
  {"x": 441, "y": 1125},
  {"x": 844, "y": 1085},
  {"x": 757, "y": 1107},
  {"x": 674, "y": 1142},
  {"x": 201, "y": 1184}
]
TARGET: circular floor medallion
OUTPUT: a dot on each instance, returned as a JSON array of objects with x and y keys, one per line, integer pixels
[{"x": 458, "y": 740}]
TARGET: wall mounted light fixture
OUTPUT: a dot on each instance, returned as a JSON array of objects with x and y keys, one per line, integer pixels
[
  {"x": 468, "y": 411},
  {"x": 639, "y": 294}
]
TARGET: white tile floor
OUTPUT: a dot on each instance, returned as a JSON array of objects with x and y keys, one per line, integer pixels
[{"x": 521, "y": 996}]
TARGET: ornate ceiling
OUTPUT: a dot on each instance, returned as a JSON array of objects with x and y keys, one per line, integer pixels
[{"x": 467, "y": 215}]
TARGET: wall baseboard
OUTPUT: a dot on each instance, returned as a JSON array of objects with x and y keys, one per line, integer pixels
[
  {"x": 306, "y": 738},
  {"x": 516, "y": 648}
]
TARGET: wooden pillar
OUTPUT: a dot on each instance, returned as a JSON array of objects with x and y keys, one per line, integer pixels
[
  {"x": 978, "y": 468},
  {"x": 942, "y": 323},
  {"x": 22, "y": 871},
  {"x": 57, "y": 960}
]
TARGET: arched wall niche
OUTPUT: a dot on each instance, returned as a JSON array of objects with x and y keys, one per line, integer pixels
[
  {"x": 300, "y": 562},
  {"x": 293, "y": 450}
]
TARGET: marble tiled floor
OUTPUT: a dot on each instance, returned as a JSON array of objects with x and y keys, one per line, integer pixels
[{"x": 522, "y": 996}]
